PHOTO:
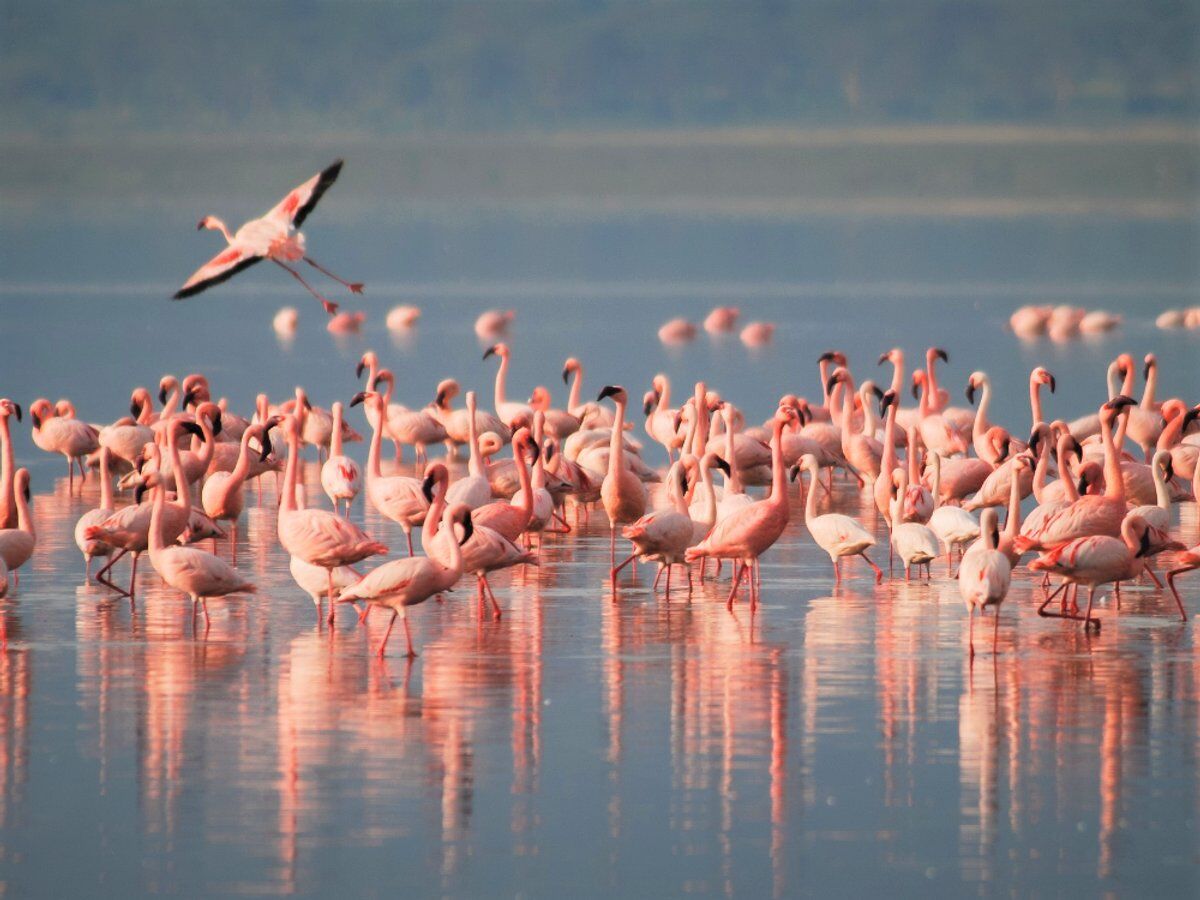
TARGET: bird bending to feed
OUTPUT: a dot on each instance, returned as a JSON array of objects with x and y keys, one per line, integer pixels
[{"x": 273, "y": 236}]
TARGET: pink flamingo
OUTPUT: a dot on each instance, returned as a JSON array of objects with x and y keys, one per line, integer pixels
[
  {"x": 984, "y": 576},
  {"x": 398, "y": 497},
  {"x": 1089, "y": 515},
  {"x": 1190, "y": 560},
  {"x": 758, "y": 334},
  {"x": 747, "y": 533},
  {"x": 663, "y": 536},
  {"x": 340, "y": 477},
  {"x": 837, "y": 534},
  {"x": 621, "y": 491},
  {"x": 195, "y": 572},
  {"x": 507, "y": 410},
  {"x": 274, "y": 237},
  {"x": 18, "y": 543},
  {"x": 96, "y": 548},
  {"x": 402, "y": 318},
  {"x": 402, "y": 583},
  {"x": 222, "y": 496},
  {"x": 510, "y": 519},
  {"x": 677, "y": 331},
  {"x": 493, "y": 323},
  {"x": 58, "y": 434},
  {"x": 722, "y": 319},
  {"x": 318, "y": 537}
]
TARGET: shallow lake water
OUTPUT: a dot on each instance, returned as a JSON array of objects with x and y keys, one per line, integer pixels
[{"x": 591, "y": 742}]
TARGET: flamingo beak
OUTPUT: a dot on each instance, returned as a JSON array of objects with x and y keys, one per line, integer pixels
[
  {"x": 648, "y": 406},
  {"x": 795, "y": 472},
  {"x": 1051, "y": 382},
  {"x": 941, "y": 354},
  {"x": 216, "y": 423},
  {"x": 1120, "y": 402},
  {"x": 358, "y": 370},
  {"x": 162, "y": 393},
  {"x": 1147, "y": 367},
  {"x": 17, "y": 407},
  {"x": 566, "y": 375},
  {"x": 307, "y": 404},
  {"x": 1077, "y": 447},
  {"x": 139, "y": 492},
  {"x": 884, "y": 357},
  {"x": 1035, "y": 440},
  {"x": 722, "y": 464},
  {"x": 200, "y": 224},
  {"x": 832, "y": 380},
  {"x": 191, "y": 428},
  {"x": 468, "y": 528},
  {"x": 970, "y": 392},
  {"x": 37, "y": 420},
  {"x": 1169, "y": 468},
  {"x": 1144, "y": 548},
  {"x": 427, "y": 488},
  {"x": 134, "y": 408},
  {"x": 490, "y": 351},
  {"x": 828, "y": 356},
  {"x": 440, "y": 400},
  {"x": 359, "y": 398},
  {"x": 266, "y": 446},
  {"x": 607, "y": 391}
]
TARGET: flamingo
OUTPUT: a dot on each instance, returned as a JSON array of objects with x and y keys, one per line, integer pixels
[
  {"x": 18, "y": 543},
  {"x": 129, "y": 527},
  {"x": 272, "y": 236},
  {"x": 318, "y": 537},
  {"x": 402, "y": 583},
  {"x": 1145, "y": 420},
  {"x": 558, "y": 423},
  {"x": 314, "y": 580},
  {"x": 93, "y": 548},
  {"x": 598, "y": 416},
  {"x": 953, "y": 525},
  {"x": 456, "y": 421},
  {"x": 722, "y": 319},
  {"x": 222, "y": 496},
  {"x": 398, "y": 497},
  {"x": 748, "y": 533},
  {"x": 984, "y": 576},
  {"x": 418, "y": 427},
  {"x": 1097, "y": 559},
  {"x": 1190, "y": 560},
  {"x": 758, "y": 334},
  {"x": 493, "y": 322},
  {"x": 340, "y": 477},
  {"x": 541, "y": 501},
  {"x": 621, "y": 491},
  {"x": 837, "y": 534},
  {"x": 661, "y": 418},
  {"x": 663, "y": 536},
  {"x": 483, "y": 549},
  {"x": 511, "y": 519},
  {"x": 474, "y": 489},
  {"x": 505, "y": 409},
  {"x": 677, "y": 331},
  {"x": 69, "y": 436},
  {"x": 195, "y": 572},
  {"x": 402, "y": 318},
  {"x": 915, "y": 543},
  {"x": 863, "y": 450},
  {"x": 1089, "y": 515}
]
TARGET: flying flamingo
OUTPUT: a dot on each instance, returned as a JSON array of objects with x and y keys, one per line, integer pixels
[
  {"x": 318, "y": 537},
  {"x": 984, "y": 576},
  {"x": 340, "y": 477},
  {"x": 748, "y": 533},
  {"x": 274, "y": 237},
  {"x": 402, "y": 583}
]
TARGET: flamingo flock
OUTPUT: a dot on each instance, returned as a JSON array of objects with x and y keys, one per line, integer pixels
[{"x": 1086, "y": 502}]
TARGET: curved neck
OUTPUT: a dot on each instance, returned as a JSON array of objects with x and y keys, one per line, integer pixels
[
  {"x": 376, "y": 448},
  {"x": 733, "y": 481},
  {"x": 106, "y": 498},
  {"x": 826, "y": 393},
  {"x": 432, "y": 525},
  {"x": 1161, "y": 495},
  {"x": 898, "y": 374},
  {"x": 24, "y": 514},
  {"x": 1012, "y": 524},
  {"x": 501, "y": 380},
  {"x": 981, "y": 424},
  {"x": 207, "y": 443},
  {"x": 810, "y": 502},
  {"x": 1114, "y": 487},
  {"x": 932, "y": 384},
  {"x": 287, "y": 502},
  {"x": 1127, "y": 384},
  {"x": 145, "y": 410},
  {"x": 616, "y": 443},
  {"x": 157, "y": 541},
  {"x": 924, "y": 406},
  {"x": 242, "y": 468},
  {"x": 452, "y": 572},
  {"x": 183, "y": 494},
  {"x": 335, "y": 438},
  {"x": 216, "y": 224},
  {"x": 171, "y": 405},
  {"x": 778, "y": 496},
  {"x": 1035, "y": 401},
  {"x": 475, "y": 461},
  {"x": 573, "y": 400},
  {"x": 523, "y": 477},
  {"x": 1172, "y": 433},
  {"x": 937, "y": 479},
  {"x": 1151, "y": 386},
  {"x": 8, "y": 507},
  {"x": 914, "y": 454},
  {"x": 889, "y": 459},
  {"x": 664, "y": 399},
  {"x": 710, "y": 499}
]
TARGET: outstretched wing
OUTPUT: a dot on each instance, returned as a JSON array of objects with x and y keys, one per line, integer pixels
[
  {"x": 294, "y": 208},
  {"x": 221, "y": 267}
]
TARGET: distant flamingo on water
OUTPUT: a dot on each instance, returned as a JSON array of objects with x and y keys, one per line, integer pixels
[{"x": 274, "y": 237}]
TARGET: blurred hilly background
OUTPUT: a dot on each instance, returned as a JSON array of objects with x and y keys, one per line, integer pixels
[{"x": 583, "y": 109}]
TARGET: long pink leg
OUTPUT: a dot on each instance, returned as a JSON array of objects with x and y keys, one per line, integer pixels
[
  {"x": 878, "y": 571},
  {"x": 107, "y": 566},
  {"x": 387, "y": 634},
  {"x": 330, "y": 306},
  {"x": 332, "y": 599},
  {"x": 668, "y": 582},
  {"x": 971, "y": 632},
  {"x": 412, "y": 653},
  {"x": 496, "y": 612},
  {"x": 1174, "y": 590},
  {"x": 995, "y": 631},
  {"x": 356, "y": 287},
  {"x": 617, "y": 569},
  {"x": 740, "y": 568}
]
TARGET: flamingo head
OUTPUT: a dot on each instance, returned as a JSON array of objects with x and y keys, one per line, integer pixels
[
  {"x": 166, "y": 384},
  {"x": 10, "y": 408},
  {"x": 974, "y": 383},
  {"x": 447, "y": 390},
  {"x": 571, "y": 365},
  {"x": 1149, "y": 364},
  {"x": 40, "y": 410},
  {"x": 649, "y": 401},
  {"x": 386, "y": 376},
  {"x": 435, "y": 473},
  {"x": 499, "y": 349},
  {"x": 936, "y": 353},
  {"x": 1043, "y": 376},
  {"x": 540, "y": 399},
  {"x": 888, "y": 399},
  {"x": 837, "y": 357},
  {"x": 612, "y": 390}
]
